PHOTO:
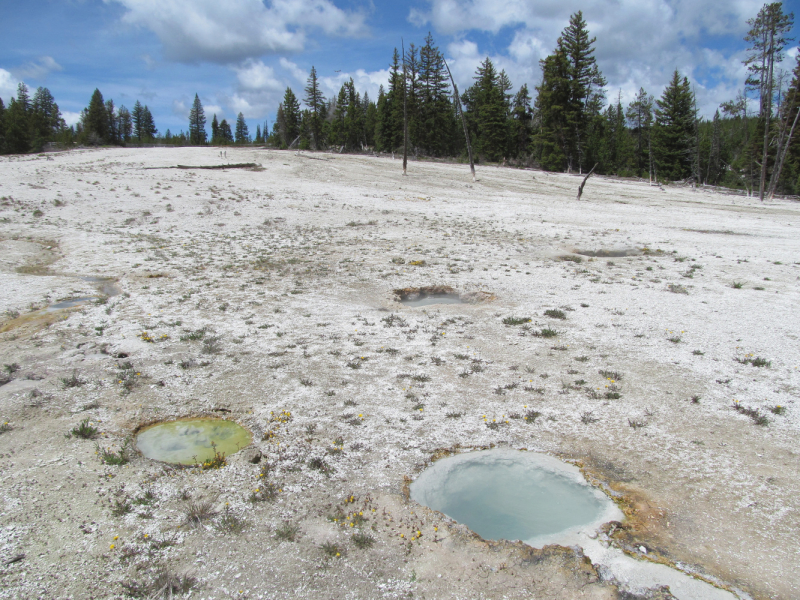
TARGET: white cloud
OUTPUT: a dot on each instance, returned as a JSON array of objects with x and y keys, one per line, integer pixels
[
  {"x": 70, "y": 117},
  {"x": 8, "y": 86},
  {"x": 365, "y": 81},
  {"x": 296, "y": 71},
  {"x": 179, "y": 109},
  {"x": 234, "y": 30},
  {"x": 255, "y": 75},
  {"x": 38, "y": 69},
  {"x": 639, "y": 42}
]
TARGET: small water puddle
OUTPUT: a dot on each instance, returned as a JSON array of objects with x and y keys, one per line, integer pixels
[
  {"x": 428, "y": 300},
  {"x": 71, "y": 303},
  {"x": 106, "y": 285},
  {"x": 513, "y": 495},
  {"x": 612, "y": 253},
  {"x": 426, "y": 296},
  {"x": 188, "y": 441}
]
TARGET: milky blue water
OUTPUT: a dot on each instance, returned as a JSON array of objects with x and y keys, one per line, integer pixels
[{"x": 512, "y": 495}]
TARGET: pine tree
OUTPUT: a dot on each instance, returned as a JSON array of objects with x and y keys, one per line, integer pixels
[
  {"x": 316, "y": 105},
  {"x": 46, "y": 121},
  {"x": 111, "y": 121},
  {"x": 617, "y": 150},
  {"x": 197, "y": 123},
  {"x": 291, "y": 116},
  {"x": 640, "y": 118},
  {"x": 552, "y": 140},
  {"x": 258, "y": 139},
  {"x": 279, "y": 129},
  {"x": 391, "y": 119},
  {"x": 125, "y": 124},
  {"x": 225, "y": 133},
  {"x": 573, "y": 99},
  {"x": 586, "y": 85},
  {"x": 487, "y": 111},
  {"x": 768, "y": 38},
  {"x": 95, "y": 123},
  {"x": 521, "y": 119},
  {"x": 214, "y": 130},
  {"x": 137, "y": 118},
  {"x": 242, "y": 134},
  {"x": 2, "y": 127},
  {"x": 149, "y": 131},
  {"x": 17, "y": 132},
  {"x": 436, "y": 113},
  {"x": 674, "y": 130}
]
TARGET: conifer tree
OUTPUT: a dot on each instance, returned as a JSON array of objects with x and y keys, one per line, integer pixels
[
  {"x": 316, "y": 106},
  {"x": 586, "y": 84},
  {"x": 291, "y": 117},
  {"x": 768, "y": 39},
  {"x": 391, "y": 120},
  {"x": 640, "y": 118},
  {"x": 225, "y": 133},
  {"x": 521, "y": 119},
  {"x": 124, "y": 124},
  {"x": 258, "y": 138},
  {"x": 17, "y": 132},
  {"x": 552, "y": 140},
  {"x": 574, "y": 95},
  {"x": 674, "y": 130},
  {"x": 45, "y": 118},
  {"x": 279, "y": 129},
  {"x": 2, "y": 127},
  {"x": 436, "y": 115},
  {"x": 214, "y": 130},
  {"x": 95, "y": 122},
  {"x": 137, "y": 119},
  {"x": 197, "y": 123},
  {"x": 111, "y": 120},
  {"x": 490, "y": 111},
  {"x": 242, "y": 134},
  {"x": 149, "y": 130}
]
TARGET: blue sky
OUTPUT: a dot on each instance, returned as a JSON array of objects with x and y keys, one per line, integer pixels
[{"x": 240, "y": 55}]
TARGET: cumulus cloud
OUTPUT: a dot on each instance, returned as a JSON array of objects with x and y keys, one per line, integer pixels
[
  {"x": 71, "y": 118},
  {"x": 297, "y": 73},
  {"x": 255, "y": 75},
  {"x": 8, "y": 85},
  {"x": 38, "y": 69},
  {"x": 180, "y": 109},
  {"x": 365, "y": 81},
  {"x": 231, "y": 31},
  {"x": 639, "y": 42}
]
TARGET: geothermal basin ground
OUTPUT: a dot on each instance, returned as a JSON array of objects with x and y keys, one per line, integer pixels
[{"x": 646, "y": 335}]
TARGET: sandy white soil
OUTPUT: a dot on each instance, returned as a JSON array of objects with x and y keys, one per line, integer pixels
[{"x": 291, "y": 268}]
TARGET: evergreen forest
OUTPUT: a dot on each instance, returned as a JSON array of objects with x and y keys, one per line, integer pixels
[{"x": 567, "y": 123}]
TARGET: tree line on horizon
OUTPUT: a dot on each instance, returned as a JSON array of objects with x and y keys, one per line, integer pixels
[{"x": 564, "y": 124}]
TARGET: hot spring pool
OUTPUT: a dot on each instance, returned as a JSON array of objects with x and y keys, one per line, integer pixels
[
  {"x": 514, "y": 495},
  {"x": 188, "y": 441}
]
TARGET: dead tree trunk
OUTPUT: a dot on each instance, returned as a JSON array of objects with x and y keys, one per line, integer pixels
[
  {"x": 782, "y": 151},
  {"x": 583, "y": 183},
  {"x": 463, "y": 120},
  {"x": 405, "y": 113}
]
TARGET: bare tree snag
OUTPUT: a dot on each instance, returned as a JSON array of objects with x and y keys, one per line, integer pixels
[
  {"x": 583, "y": 183},
  {"x": 463, "y": 120},
  {"x": 776, "y": 173},
  {"x": 405, "y": 114}
]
